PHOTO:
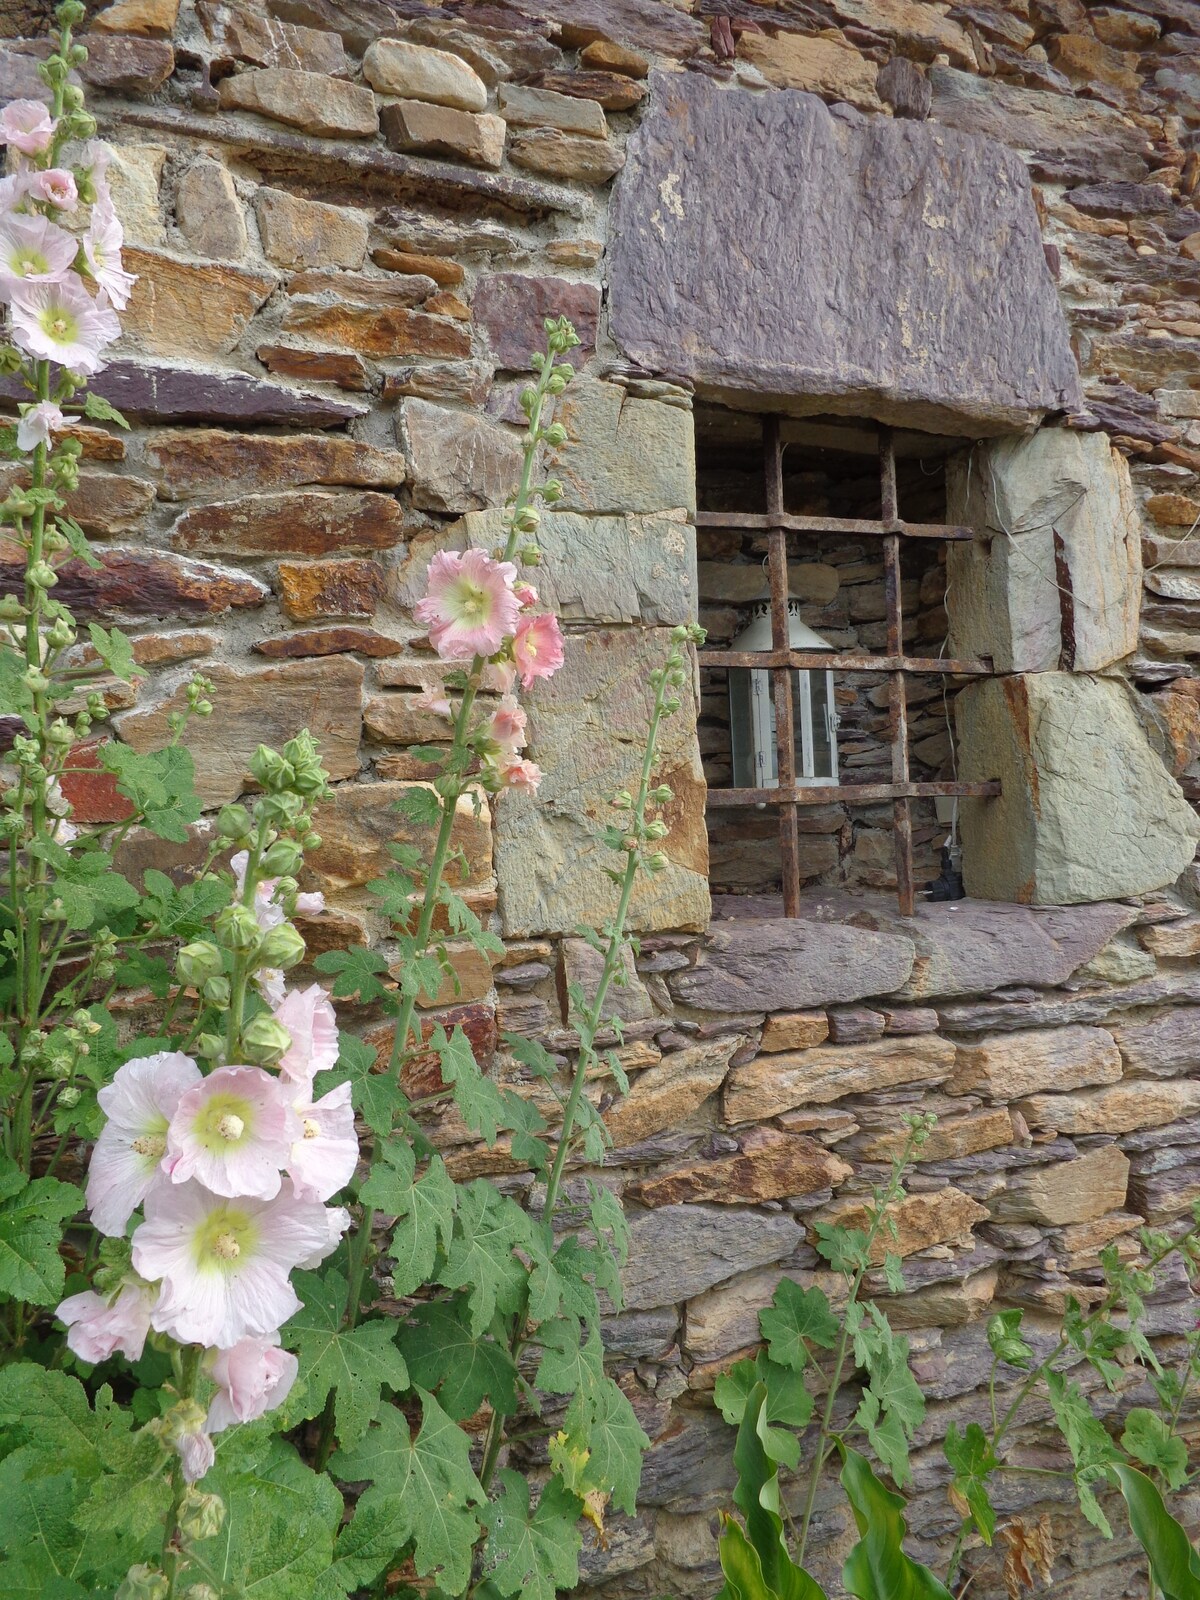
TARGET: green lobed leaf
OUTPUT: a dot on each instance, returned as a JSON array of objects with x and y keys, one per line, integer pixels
[
  {"x": 1004, "y": 1337},
  {"x": 423, "y": 1207},
  {"x": 796, "y": 1318},
  {"x": 1148, "y": 1439},
  {"x": 1091, "y": 1448},
  {"x": 877, "y": 1568},
  {"x": 464, "y": 1369},
  {"x": 31, "y": 1218},
  {"x": 357, "y": 1364},
  {"x": 788, "y": 1403},
  {"x": 973, "y": 1461},
  {"x": 531, "y": 1553},
  {"x": 488, "y": 1229},
  {"x": 377, "y": 1097}
]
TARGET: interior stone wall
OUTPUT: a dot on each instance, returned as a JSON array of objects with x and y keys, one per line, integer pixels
[{"x": 345, "y": 247}]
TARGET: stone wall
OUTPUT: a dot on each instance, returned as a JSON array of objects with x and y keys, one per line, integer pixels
[{"x": 349, "y": 217}]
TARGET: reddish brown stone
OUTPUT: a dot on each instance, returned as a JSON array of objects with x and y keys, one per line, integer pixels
[
  {"x": 157, "y": 649},
  {"x": 511, "y": 308},
  {"x": 614, "y": 91},
  {"x": 123, "y": 62},
  {"x": 91, "y": 790},
  {"x": 378, "y": 332},
  {"x": 360, "y": 288},
  {"x": 146, "y": 583},
  {"x": 441, "y": 380},
  {"x": 604, "y": 56},
  {"x": 203, "y": 461},
  {"x": 421, "y": 1075},
  {"x": 446, "y": 304},
  {"x": 99, "y": 444},
  {"x": 309, "y": 590},
  {"x": 328, "y": 642},
  {"x": 330, "y": 930},
  {"x": 315, "y": 366},
  {"x": 309, "y": 522},
  {"x": 360, "y": 820},
  {"x": 153, "y": 392},
  {"x": 104, "y": 504},
  {"x": 769, "y": 1166},
  {"x": 440, "y": 268}
]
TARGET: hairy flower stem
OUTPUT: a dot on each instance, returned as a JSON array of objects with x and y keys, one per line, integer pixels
[
  {"x": 895, "y": 1188},
  {"x": 172, "y": 1551},
  {"x": 589, "y": 1024},
  {"x": 241, "y": 961}
]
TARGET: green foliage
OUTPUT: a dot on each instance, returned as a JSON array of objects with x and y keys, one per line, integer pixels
[
  {"x": 1150, "y": 1440},
  {"x": 878, "y": 1568},
  {"x": 788, "y": 1404},
  {"x": 358, "y": 1364},
  {"x": 973, "y": 1461},
  {"x": 532, "y": 1553},
  {"x": 462, "y": 1368},
  {"x": 423, "y": 1207},
  {"x": 796, "y": 1319},
  {"x": 1092, "y": 1451},
  {"x": 1174, "y": 1565},
  {"x": 31, "y": 1218}
]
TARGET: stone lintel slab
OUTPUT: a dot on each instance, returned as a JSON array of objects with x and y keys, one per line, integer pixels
[
  {"x": 873, "y": 291},
  {"x": 342, "y": 168}
]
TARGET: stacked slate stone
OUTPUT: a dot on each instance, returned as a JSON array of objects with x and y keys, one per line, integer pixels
[{"x": 348, "y": 219}]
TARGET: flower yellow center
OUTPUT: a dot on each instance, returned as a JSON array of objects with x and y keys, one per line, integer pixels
[
  {"x": 226, "y": 1246},
  {"x": 224, "y": 1236},
  {"x": 59, "y": 324},
  {"x": 30, "y": 263},
  {"x": 230, "y": 1126},
  {"x": 223, "y": 1121},
  {"x": 150, "y": 1144},
  {"x": 311, "y": 1130}
]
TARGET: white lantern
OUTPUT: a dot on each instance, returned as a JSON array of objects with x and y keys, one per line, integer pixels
[{"x": 752, "y": 710}]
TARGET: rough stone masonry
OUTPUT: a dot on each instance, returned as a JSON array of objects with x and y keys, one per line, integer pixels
[{"x": 348, "y": 218}]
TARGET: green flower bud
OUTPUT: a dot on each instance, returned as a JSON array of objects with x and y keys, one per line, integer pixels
[
  {"x": 209, "y": 1046},
  {"x": 42, "y": 575},
  {"x": 60, "y": 733},
  {"x": 270, "y": 769},
  {"x": 557, "y": 384},
  {"x": 233, "y": 822},
  {"x": 656, "y": 830},
  {"x": 68, "y": 1096},
  {"x": 282, "y": 859},
  {"x": 237, "y": 926},
  {"x": 70, "y": 13},
  {"x": 555, "y": 434},
  {"x": 200, "y": 1591},
  {"x": 552, "y": 490},
  {"x": 658, "y": 862},
  {"x": 216, "y": 992},
  {"x": 281, "y": 947},
  {"x": 199, "y": 961},
  {"x": 11, "y": 609},
  {"x": 201, "y": 1515},
  {"x": 264, "y": 1040},
  {"x": 143, "y": 1583}
]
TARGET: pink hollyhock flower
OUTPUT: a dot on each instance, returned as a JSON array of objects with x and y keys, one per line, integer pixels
[
  {"x": 326, "y": 1154},
  {"x": 308, "y": 1016},
  {"x": 224, "y": 1263},
  {"x": 196, "y": 1454},
  {"x": 97, "y": 1327},
  {"x": 233, "y": 1132},
  {"x": 56, "y": 186},
  {"x": 126, "y": 1162},
  {"x": 268, "y": 912},
  {"x": 61, "y": 322},
  {"x": 102, "y": 247},
  {"x": 525, "y": 593},
  {"x": 538, "y": 647},
  {"x": 253, "y": 1377},
  {"x": 14, "y": 188},
  {"x": 337, "y": 1220},
  {"x": 435, "y": 700},
  {"x": 28, "y": 126},
  {"x": 35, "y": 427},
  {"x": 470, "y": 606},
  {"x": 522, "y": 775},
  {"x": 507, "y": 727},
  {"x": 33, "y": 250}
]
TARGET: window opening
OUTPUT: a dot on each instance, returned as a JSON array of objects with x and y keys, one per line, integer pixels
[{"x": 782, "y": 676}]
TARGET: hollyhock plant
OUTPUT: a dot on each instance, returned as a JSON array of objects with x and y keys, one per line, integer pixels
[
  {"x": 33, "y": 250},
  {"x": 127, "y": 1160},
  {"x": 507, "y": 727},
  {"x": 27, "y": 126},
  {"x": 470, "y": 607},
  {"x": 102, "y": 249},
  {"x": 37, "y": 423},
  {"x": 521, "y": 775},
  {"x": 224, "y": 1263},
  {"x": 61, "y": 322},
  {"x": 56, "y": 186},
  {"x": 234, "y": 1131},
  {"x": 326, "y": 1153},
  {"x": 253, "y": 1377},
  {"x": 98, "y": 1327},
  {"x": 309, "y": 1017},
  {"x": 537, "y": 647}
]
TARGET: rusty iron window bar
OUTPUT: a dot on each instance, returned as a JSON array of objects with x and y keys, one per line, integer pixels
[{"x": 789, "y": 796}]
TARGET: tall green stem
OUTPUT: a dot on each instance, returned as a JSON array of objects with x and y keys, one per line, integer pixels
[{"x": 172, "y": 1549}]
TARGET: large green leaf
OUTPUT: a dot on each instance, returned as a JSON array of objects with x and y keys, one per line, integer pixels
[
  {"x": 535, "y": 1553},
  {"x": 795, "y": 1319},
  {"x": 423, "y": 1208},
  {"x": 1149, "y": 1440},
  {"x": 488, "y": 1230},
  {"x": 788, "y": 1403},
  {"x": 877, "y": 1568},
  {"x": 973, "y": 1462},
  {"x": 757, "y": 1498},
  {"x": 465, "y": 1369},
  {"x": 31, "y": 1218},
  {"x": 740, "y": 1564},
  {"x": 357, "y": 1363},
  {"x": 1174, "y": 1565}
]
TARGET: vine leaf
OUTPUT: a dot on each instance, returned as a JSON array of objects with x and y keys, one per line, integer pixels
[
  {"x": 532, "y": 1553},
  {"x": 424, "y": 1485},
  {"x": 357, "y": 1362},
  {"x": 795, "y": 1318},
  {"x": 443, "y": 1354}
]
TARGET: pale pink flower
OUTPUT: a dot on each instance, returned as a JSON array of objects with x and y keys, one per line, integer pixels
[
  {"x": 538, "y": 647},
  {"x": 271, "y": 984},
  {"x": 14, "y": 188},
  {"x": 470, "y": 606},
  {"x": 97, "y": 1327},
  {"x": 269, "y": 913},
  {"x": 505, "y": 676},
  {"x": 126, "y": 1162},
  {"x": 522, "y": 775},
  {"x": 102, "y": 247},
  {"x": 253, "y": 1377},
  {"x": 507, "y": 727},
  {"x": 61, "y": 322},
  {"x": 196, "y": 1455},
  {"x": 435, "y": 700},
  {"x": 337, "y": 1220},
  {"x": 33, "y": 250},
  {"x": 35, "y": 427},
  {"x": 224, "y": 1263},
  {"x": 308, "y": 1016},
  {"x": 326, "y": 1154},
  {"x": 233, "y": 1132},
  {"x": 28, "y": 126},
  {"x": 56, "y": 186},
  {"x": 525, "y": 593}
]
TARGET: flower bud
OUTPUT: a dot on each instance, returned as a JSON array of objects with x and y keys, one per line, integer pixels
[
  {"x": 656, "y": 830},
  {"x": 237, "y": 926},
  {"x": 233, "y": 822},
  {"x": 11, "y": 609},
  {"x": 209, "y": 1046},
  {"x": 200, "y": 1591},
  {"x": 658, "y": 862},
  {"x": 60, "y": 733},
  {"x": 69, "y": 1096},
  {"x": 282, "y": 859},
  {"x": 270, "y": 769},
  {"x": 201, "y": 1515},
  {"x": 216, "y": 992},
  {"x": 555, "y": 434},
  {"x": 264, "y": 1040},
  {"x": 143, "y": 1583},
  {"x": 42, "y": 575},
  {"x": 281, "y": 947},
  {"x": 199, "y": 961}
]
